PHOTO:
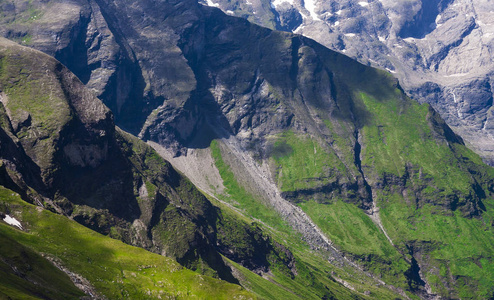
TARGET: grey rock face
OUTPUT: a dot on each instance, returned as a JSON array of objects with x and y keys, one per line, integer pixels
[{"x": 443, "y": 43}]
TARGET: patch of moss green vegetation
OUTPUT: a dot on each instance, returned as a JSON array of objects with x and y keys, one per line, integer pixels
[
  {"x": 460, "y": 250},
  {"x": 400, "y": 134},
  {"x": 116, "y": 270},
  {"x": 313, "y": 278},
  {"x": 262, "y": 287},
  {"x": 27, "y": 275},
  {"x": 237, "y": 236},
  {"x": 355, "y": 233},
  {"x": 302, "y": 163}
]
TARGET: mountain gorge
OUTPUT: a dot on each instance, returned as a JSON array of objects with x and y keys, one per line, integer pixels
[{"x": 313, "y": 170}]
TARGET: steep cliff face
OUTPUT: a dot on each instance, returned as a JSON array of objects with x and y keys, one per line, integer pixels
[
  {"x": 291, "y": 135},
  {"x": 440, "y": 50}
]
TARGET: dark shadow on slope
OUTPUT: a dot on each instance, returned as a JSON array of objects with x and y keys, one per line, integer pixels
[
  {"x": 74, "y": 56},
  {"x": 424, "y": 22},
  {"x": 125, "y": 94},
  {"x": 28, "y": 171}
]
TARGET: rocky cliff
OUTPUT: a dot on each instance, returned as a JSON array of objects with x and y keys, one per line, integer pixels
[{"x": 440, "y": 50}]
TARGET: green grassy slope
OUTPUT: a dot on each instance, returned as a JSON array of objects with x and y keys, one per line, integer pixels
[
  {"x": 359, "y": 142},
  {"x": 303, "y": 164},
  {"x": 315, "y": 277},
  {"x": 434, "y": 194},
  {"x": 116, "y": 270},
  {"x": 441, "y": 211},
  {"x": 25, "y": 274}
]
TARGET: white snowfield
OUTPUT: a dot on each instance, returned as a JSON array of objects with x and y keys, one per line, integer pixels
[{"x": 12, "y": 221}]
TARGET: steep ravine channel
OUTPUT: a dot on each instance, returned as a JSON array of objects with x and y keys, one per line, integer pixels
[{"x": 372, "y": 210}]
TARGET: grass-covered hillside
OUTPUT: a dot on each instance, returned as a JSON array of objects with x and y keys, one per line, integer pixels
[
  {"x": 104, "y": 267},
  {"x": 63, "y": 164}
]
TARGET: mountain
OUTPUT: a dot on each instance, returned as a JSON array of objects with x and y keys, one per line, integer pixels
[
  {"x": 325, "y": 177},
  {"x": 440, "y": 50},
  {"x": 61, "y": 151}
]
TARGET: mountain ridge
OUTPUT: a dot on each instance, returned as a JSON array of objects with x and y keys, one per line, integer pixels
[{"x": 440, "y": 50}]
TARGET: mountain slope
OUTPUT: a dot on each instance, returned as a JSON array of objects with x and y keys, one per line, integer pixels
[
  {"x": 61, "y": 152},
  {"x": 103, "y": 267},
  {"x": 304, "y": 141},
  {"x": 440, "y": 50}
]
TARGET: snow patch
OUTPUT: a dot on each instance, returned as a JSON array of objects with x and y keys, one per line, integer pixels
[
  {"x": 394, "y": 72},
  {"x": 12, "y": 221},
  {"x": 339, "y": 12},
  {"x": 304, "y": 16},
  {"x": 310, "y": 5},
  {"x": 454, "y": 98},
  {"x": 298, "y": 29},
  {"x": 336, "y": 23},
  {"x": 409, "y": 40},
  {"x": 230, "y": 12},
  {"x": 363, "y": 4},
  {"x": 381, "y": 38},
  {"x": 277, "y": 3},
  {"x": 212, "y": 4},
  {"x": 438, "y": 18},
  {"x": 350, "y": 34},
  {"x": 457, "y": 75}
]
